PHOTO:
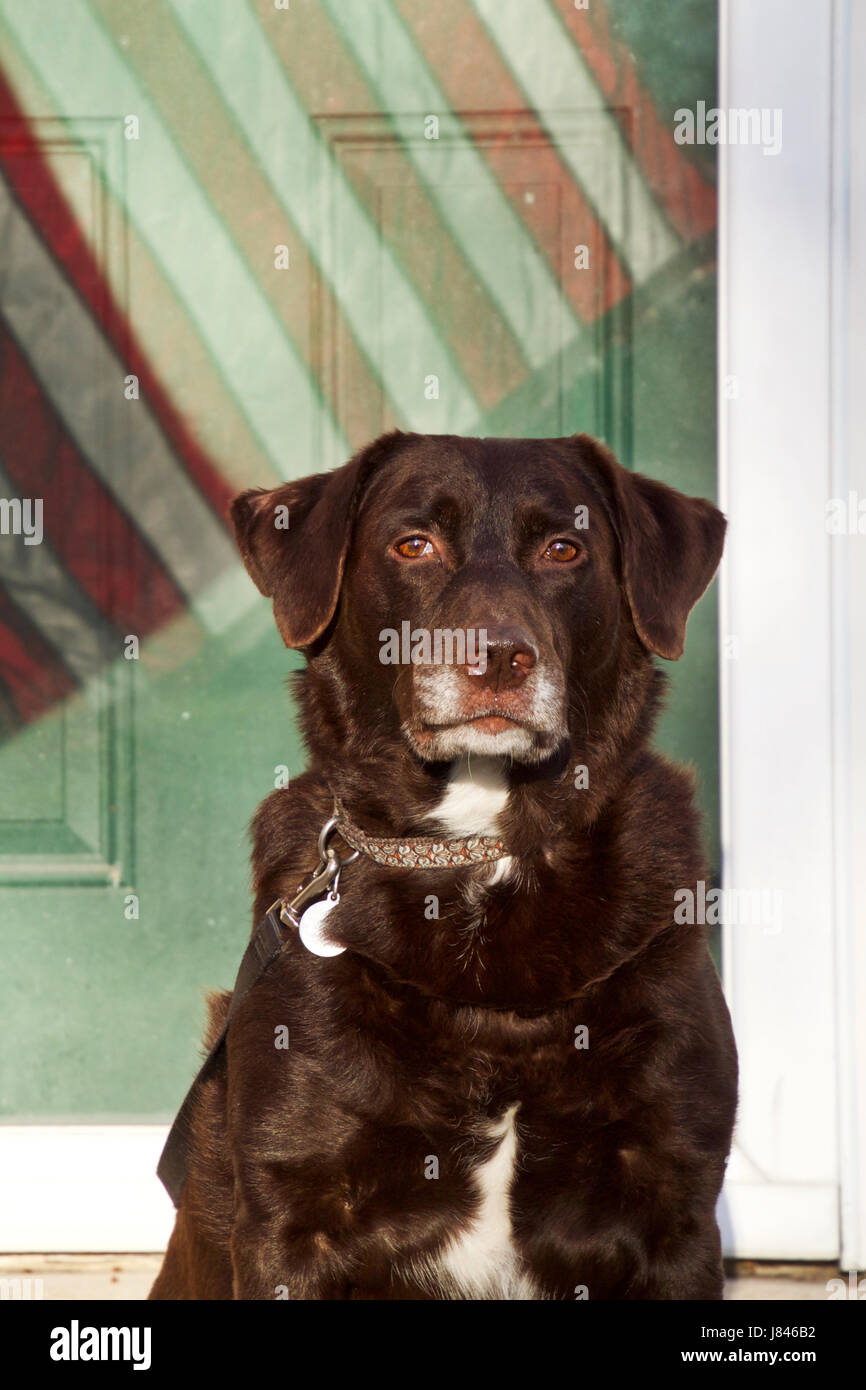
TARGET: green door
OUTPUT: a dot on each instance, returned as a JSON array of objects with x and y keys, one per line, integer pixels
[{"x": 237, "y": 241}]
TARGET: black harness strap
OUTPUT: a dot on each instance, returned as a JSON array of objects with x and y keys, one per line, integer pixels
[
  {"x": 265, "y": 945},
  {"x": 269, "y": 938}
]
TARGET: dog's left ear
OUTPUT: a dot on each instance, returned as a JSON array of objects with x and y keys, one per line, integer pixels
[
  {"x": 294, "y": 540},
  {"x": 670, "y": 546}
]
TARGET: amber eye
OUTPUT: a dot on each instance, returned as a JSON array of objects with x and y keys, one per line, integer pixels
[
  {"x": 561, "y": 552},
  {"x": 413, "y": 547}
]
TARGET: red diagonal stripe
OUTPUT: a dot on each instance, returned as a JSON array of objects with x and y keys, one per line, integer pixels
[
  {"x": 688, "y": 200},
  {"x": 33, "y": 673},
  {"x": 85, "y": 527},
  {"x": 38, "y": 194},
  {"x": 465, "y": 60}
]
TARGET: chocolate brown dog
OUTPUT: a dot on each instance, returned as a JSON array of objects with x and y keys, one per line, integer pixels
[{"x": 517, "y": 1078}]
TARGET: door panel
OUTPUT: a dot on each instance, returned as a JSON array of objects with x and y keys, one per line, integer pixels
[
  {"x": 486, "y": 219},
  {"x": 237, "y": 242}
]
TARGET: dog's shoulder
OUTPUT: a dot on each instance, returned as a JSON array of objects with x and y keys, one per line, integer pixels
[
  {"x": 291, "y": 812},
  {"x": 657, "y": 815},
  {"x": 284, "y": 833}
]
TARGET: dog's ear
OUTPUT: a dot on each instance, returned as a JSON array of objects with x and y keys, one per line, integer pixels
[
  {"x": 294, "y": 540},
  {"x": 670, "y": 546}
]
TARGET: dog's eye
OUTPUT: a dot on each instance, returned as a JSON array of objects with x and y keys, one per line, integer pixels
[
  {"x": 562, "y": 552},
  {"x": 413, "y": 547}
]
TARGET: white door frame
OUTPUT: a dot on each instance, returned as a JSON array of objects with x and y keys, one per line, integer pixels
[
  {"x": 792, "y": 658},
  {"x": 849, "y": 610}
]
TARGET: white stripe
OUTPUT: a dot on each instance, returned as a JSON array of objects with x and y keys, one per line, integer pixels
[
  {"x": 119, "y": 438},
  {"x": 84, "y": 74},
  {"x": 309, "y": 183},
  {"x": 470, "y": 200},
  {"x": 61, "y": 611},
  {"x": 559, "y": 84}
]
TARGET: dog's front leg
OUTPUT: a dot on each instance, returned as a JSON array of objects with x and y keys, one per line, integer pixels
[{"x": 273, "y": 1259}]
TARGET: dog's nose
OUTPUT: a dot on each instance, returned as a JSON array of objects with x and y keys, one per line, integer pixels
[{"x": 506, "y": 658}]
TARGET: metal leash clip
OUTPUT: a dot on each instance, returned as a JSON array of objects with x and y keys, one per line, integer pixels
[{"x": 316, "y": 899}]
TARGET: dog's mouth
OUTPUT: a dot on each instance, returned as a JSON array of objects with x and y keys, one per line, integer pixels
[
  {"x": 448, "y": 716},
  {"x": 489, "y": 722},
  {"x": 489, "y": 732},
  {"x": 494, "y": 723}
]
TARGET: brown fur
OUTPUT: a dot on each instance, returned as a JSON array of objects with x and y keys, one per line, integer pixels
[{"x": 308, "y": 1165}]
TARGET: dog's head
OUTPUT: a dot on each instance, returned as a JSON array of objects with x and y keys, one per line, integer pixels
[{"x": 479, "y": 595}]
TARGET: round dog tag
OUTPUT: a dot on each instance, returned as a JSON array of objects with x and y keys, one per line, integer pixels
[{"x": 311, "y": 924}]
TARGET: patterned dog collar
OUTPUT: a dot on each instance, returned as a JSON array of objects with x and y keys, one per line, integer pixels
[{"x": 421, "y": 851}]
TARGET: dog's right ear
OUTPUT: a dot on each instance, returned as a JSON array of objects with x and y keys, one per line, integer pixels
[{"x": 294, "y": 540}]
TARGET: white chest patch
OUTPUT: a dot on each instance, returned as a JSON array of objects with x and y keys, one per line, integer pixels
[
  {"x": 476, "y": 794},
  {"x": 481, "y": 1262}
]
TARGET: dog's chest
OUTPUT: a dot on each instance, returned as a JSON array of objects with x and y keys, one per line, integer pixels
[
  {"x": 473, "y": 800},
  {"x": 481, "y": 1261}
]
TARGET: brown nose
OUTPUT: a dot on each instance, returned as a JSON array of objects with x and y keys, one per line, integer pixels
[{"x": 510, "y": 656}]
